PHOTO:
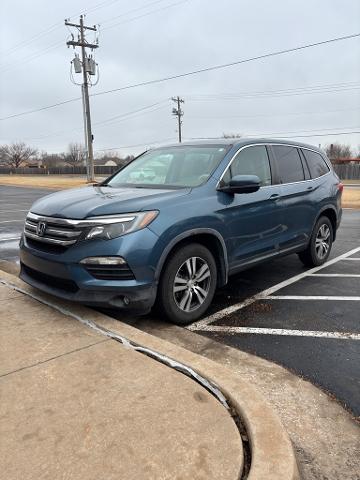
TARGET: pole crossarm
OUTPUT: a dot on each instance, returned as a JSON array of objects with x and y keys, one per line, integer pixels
[
  {"x": 68, "y": 24},
  {"x": 80, "y": 44}
]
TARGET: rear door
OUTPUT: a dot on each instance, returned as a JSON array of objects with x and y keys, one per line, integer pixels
[
  {"x": 296, "y": 198},
  {"x": 252, "y": 220}
]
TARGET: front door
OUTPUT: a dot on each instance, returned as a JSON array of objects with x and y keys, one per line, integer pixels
[{"x": 253, "y": 220}]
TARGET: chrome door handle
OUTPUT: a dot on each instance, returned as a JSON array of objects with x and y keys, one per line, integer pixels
[{"x": 274, "y": 196}]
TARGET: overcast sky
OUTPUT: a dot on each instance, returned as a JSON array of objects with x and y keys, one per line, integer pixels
[{"x": 142, "y": 40}]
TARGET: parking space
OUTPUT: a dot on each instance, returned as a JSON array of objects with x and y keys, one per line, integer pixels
[
  {"x": 309, "y": 322},
  {"x": 306, "y": 320}
]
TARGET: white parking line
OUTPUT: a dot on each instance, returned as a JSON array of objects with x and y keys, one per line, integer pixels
[
  {"x": 9, "y": 239},
  {"x": 12, "y": 221},
  {"x": 12, "y": 211},
  {"x": 356, "y": 259},
  {"x": 345, "y": 275},
  {"x": 283, "y": 332},
  {"x": 311, "y": 297},
  {"x": 201, "y": 324}
]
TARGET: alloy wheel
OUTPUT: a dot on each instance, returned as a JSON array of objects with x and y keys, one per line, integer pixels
[
  {"x": 322, "y": 241},
  {"x": 192, "y": 284}
]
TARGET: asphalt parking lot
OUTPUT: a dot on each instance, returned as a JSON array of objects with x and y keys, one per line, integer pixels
[{"x": 306, "y": 320}]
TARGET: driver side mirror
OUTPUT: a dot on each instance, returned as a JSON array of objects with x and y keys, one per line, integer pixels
[{"x": 242, "y": 184}]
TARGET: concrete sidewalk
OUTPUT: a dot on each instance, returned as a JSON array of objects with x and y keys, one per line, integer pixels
[
  {"x": 75, "y": 404},
  {"x": 87, "y": 396}
]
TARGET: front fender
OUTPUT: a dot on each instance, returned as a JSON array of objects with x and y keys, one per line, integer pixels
[{"x": 170, "y": 245}]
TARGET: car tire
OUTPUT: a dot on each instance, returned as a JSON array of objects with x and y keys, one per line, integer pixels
[
  {"x": 320, "y": 244},
  {"x": 187, "y": 284}
]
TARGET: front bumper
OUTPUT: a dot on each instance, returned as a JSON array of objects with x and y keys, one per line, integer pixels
[{"x": 63, "y": 276}]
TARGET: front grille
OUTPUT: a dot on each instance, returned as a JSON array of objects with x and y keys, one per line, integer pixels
[
  {"x": 51, "y": 231},
  {"x": 110, "y": 272},
  {"x": 55, "y": 282},
  {"x": 46, "y": 247}
]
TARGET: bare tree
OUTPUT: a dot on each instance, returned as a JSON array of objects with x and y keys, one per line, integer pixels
[
  {"x": 50, "y": 160},
  {"x": 76, "y": 155},
  {"x": 16, "y": 154},
  {"x": 338, "y": 150}
]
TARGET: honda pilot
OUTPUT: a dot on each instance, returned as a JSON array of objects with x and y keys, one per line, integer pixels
[{"x": 173, "y": 225}]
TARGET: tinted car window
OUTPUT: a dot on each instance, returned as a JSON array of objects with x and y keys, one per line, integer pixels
[
  {"x": 251, "y": 161},
  {"x": 316, "y": 163},
  {"x": 289, "y": 164}
]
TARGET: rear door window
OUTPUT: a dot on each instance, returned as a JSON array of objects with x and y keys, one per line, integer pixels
[
  {"x": 250, "y": 161},
  {"x": 289, "y": 164},
  {"x": 316, "y": 163}
]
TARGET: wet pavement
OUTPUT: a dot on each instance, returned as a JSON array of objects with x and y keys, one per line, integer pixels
[{"x": 14, "y": 205}]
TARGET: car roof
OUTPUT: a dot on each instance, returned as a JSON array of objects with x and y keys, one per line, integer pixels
[{"x": 242, "y": 142}]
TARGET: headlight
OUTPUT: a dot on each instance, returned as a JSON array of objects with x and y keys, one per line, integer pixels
[{"x": 122, "y": 224}]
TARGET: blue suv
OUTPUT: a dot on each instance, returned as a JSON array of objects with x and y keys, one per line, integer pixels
[{"x": 175, "y": 223}]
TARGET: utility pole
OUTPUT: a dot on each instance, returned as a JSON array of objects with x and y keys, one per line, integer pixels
[
  {"x": 88, "y": 67},
  {"x": 177, "y": 112}
]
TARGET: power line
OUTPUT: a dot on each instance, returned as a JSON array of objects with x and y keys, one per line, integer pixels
[
  {"x": 283, "y": 92},
  {"x": 300, "y": 131},
  {"x": 322, "y": 134},
  {"x": 153, "y": 142},
  {"x": 270, "y": 115},
  {"x": 226, "y": 65},
  {"x": 35, "y": 55},
  {"x": 212, "y": 138},
  {"x": 55, "y": 26},
  {"x": 106, "y": 122},
  {"x": 146, "y": 14},
  {"x": 195, "y": 72},
  {"x": 260, "y": 135},
  {"x": 28, "y": 112},
  {"x": 133, "y": 10}
]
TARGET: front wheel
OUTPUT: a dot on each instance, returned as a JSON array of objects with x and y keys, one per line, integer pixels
[
  {"x": 320, "y": 244},
  {"x": 188, "y": 284}
]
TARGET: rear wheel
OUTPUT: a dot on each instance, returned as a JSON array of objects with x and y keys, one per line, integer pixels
[
  {"x": 188, "y": 284},
  {"x": 320, "y": 244}
]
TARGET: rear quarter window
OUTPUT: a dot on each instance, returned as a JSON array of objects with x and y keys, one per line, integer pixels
[{"x": 316, "y": 163}]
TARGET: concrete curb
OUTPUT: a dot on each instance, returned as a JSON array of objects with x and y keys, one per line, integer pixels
[{"x": 272, "y": 455}]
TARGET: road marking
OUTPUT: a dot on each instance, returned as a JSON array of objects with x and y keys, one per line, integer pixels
[
  {"x": 311, "y": 297},
  {"x": 9, "y": 239},
  {"x": 282, "y": 332},
  {"x": 12, "y": 211},
  {"x": 265, "y": 293},
  {"x": 11, "y": 221},
  {"x": 352, "y": 275},
  {"x": 356, "y": 259}
]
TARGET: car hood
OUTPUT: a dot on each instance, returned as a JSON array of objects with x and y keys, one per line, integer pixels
[{"x": 80, "y": 203}]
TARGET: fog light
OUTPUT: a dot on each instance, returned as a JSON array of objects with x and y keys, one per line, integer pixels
[
  {"x": 103, "y": 261},
  {"x": 126, "y": 300}
]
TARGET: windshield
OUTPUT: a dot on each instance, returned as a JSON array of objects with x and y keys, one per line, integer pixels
[{"x": 182, "y": 166}]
